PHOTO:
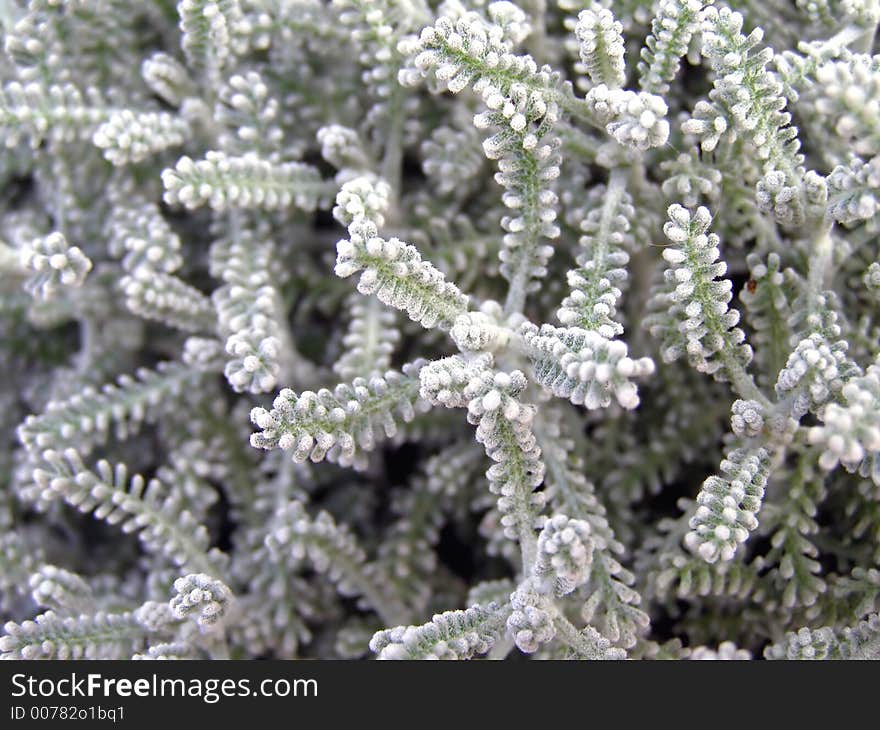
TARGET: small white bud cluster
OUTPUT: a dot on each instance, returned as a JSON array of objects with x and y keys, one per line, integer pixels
[
  {"x": 815, "y": 192},
  {"x": 167, "y": 78},
  {"x": 86, "y": 416},
  {"x": 439, "y": 47},
  {"x": 154, "y": 615},
  {"x": 249, "y": 312},
  {"x": 527, "y": 158},
  {"x": 212, "y": 31},
  {"x": 141, "y": 236},
  {"x": 331, "y": 548},
  {"x": 722, "y": 41},
  {"x": 60, "y": 589},
  {"x": 707, "y": 123},
  {"x": 451, "y": 157},
  {"x": 522, "y": 102},
  {"x": 805, "y": 644},
  {"x": 167, "y": 651},
  {"x": 130, "y": 501},
  {"x": 128, "y": 137},
  {"x": 776, "y": 195},
  {"x": 250, "y": 115},
  {"x": 747, "y": 418},
  {"x": 727, "y": 651},
  {"x": 208, "y": 598},
  {"x": 854, "y": 190},
  {"x": 373, "y": 32},
  {"x": 55, "y": 264},
  {"x": 511, "y": 19},
  {"x": 255, "y": 361},
  {"x": 531, "y": 621},
  {"x": 362, "y": 197},
  {"x": 871, "y": 279},
  {"x": 745, "y": 112},
  {"x": 704, "y": 325},
  {"x": 341, "y": 147},
  {"x": 601, "y": 46},
  {"x": 504, "y": 427},
  {"x": 255, "y": 29},
  {"x": 754, "y": 111},
  {"x": 727, "y": 506},
  {"x": 517, "y": 113},
  {"x": 848, "y": 101},
  {"x": 634, "y": 119},
  {"x": 565, "y": 555},
  {"x": 768, "y": 281},
  {"x": 395, "y": 272},
  {"x": 500, "y": 147},
  {"x": 449, "y": 635},
  {"x": 595, "y": 646},
  {"x": 100, "y": 635},
  {"x": 821, "y": 318},
  {"x": 221, "y": 182},
  {"x": 31, "y": 43},
  {"x": 150, "y": 252},
  {"x": 155, "y": 295},
  {"x": 595, "y": 284},
  {"x": 583, "y": 366},
  {"x": 443, "y": 381},
  {"x": 849, "y": 433},
  {"x": 865, "y": 13},
  {"x": 860, "y": 641},
  {"x": 690, "y": 180},
  {"x": 491, "y": 392},
  {"x": 812, "y": 374},
  {"x": 60, "y": 113},
  {"x": 481, "y": 331},
  {"x": 671, "y": 32},
  {"x": 336, "y": 425}
]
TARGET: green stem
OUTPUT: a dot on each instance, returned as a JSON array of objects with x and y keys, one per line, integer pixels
[
  {"x": 522, "y": 508},
  {"x": 743, "y": 383},
  {"x": 575, "y": 639},
  {"x": 538, "y": 39},
  {"x": 392, "y": 162},
  {"x": 820, "y": 262}
]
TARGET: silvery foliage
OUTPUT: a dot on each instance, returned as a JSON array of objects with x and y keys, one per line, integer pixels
[{"x": 526, "y": 276}]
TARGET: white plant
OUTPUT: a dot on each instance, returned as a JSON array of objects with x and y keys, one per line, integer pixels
[{"x": 396, "y": 329}]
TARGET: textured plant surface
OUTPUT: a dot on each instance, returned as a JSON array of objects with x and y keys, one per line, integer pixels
[{"x": 413, "y": 329}]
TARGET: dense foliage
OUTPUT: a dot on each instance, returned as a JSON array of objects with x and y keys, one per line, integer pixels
[{"x": 420, "y": 329}]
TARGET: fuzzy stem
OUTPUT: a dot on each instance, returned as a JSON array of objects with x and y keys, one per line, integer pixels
[{"x": 574, "y": 639}]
